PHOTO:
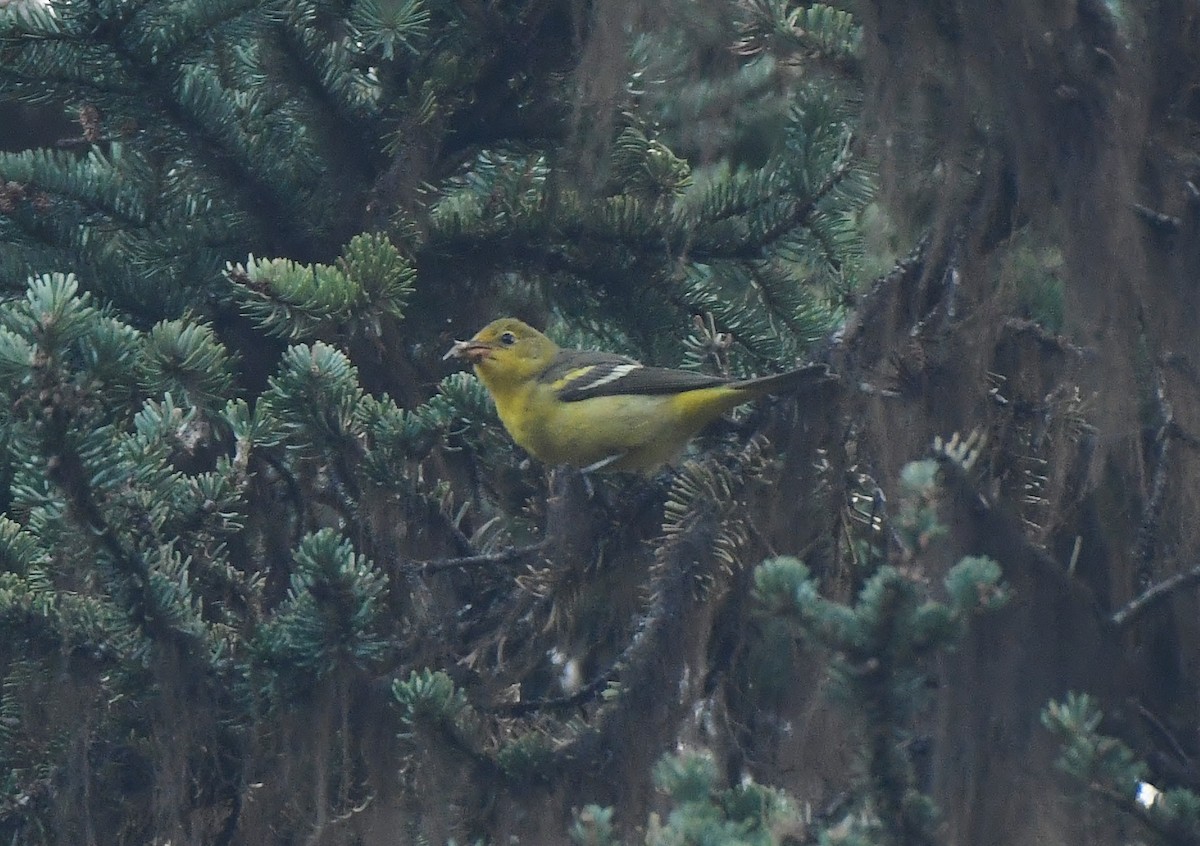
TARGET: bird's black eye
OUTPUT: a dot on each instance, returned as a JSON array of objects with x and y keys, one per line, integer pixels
[{"x": 508, "y": 339}]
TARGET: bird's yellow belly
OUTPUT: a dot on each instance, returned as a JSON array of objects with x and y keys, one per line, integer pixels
[{"x": 641, "y": 429}]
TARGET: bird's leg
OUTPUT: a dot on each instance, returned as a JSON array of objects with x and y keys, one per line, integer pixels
[{"x": 565, "y": 479}]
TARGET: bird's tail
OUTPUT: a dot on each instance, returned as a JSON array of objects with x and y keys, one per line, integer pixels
[{"x": 800, "y": 379}]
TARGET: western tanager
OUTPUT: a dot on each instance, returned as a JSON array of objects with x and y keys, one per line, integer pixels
[{"x": 598, "y": 410}]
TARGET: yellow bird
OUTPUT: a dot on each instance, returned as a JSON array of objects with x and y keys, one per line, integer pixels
[{"x": 598, "y": 410}]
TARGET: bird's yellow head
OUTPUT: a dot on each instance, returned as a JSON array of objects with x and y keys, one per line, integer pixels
[{"x": 506, "y": 352}]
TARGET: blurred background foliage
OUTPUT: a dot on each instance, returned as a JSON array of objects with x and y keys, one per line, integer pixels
[{"x": 270, "y": 572}]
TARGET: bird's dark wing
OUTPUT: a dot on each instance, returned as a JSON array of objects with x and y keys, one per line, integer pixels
[{"x": 579, "y": 374}]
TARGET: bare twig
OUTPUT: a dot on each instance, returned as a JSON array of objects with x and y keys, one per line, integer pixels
[
  {"x": 1158, "y": 726},
  {"x": 1156, "y": 220},
  {"x": 504, "y": 556},
  {"x": 1153, "y": 596}
]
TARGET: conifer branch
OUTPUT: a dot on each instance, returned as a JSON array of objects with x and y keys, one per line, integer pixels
[{"x": 678, "y": 576}]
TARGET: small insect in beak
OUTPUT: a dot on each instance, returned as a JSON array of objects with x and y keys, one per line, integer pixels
[{"x": 473, "y": 351}]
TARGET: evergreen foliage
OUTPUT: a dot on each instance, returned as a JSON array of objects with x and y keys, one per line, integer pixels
[
  {"x": 702, "y": 811},
  {"x": 1107, "y": 769},
  {"x": 138, "y": 551},
  {"x": 881, "y": 646},
  {"x": 372, "y": 279},
  {"x": 267, "y": 572},
  {"x": 210, "y": 130},
  {"x": 224, "y": 531},
  {"x": 331, "y": 617}
]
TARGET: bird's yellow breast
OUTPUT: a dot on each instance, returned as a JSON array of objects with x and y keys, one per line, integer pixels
[{"x": 647, "y": 431}]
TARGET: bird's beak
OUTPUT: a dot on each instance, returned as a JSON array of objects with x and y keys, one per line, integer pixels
[{"x": 473, "y": 351}]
